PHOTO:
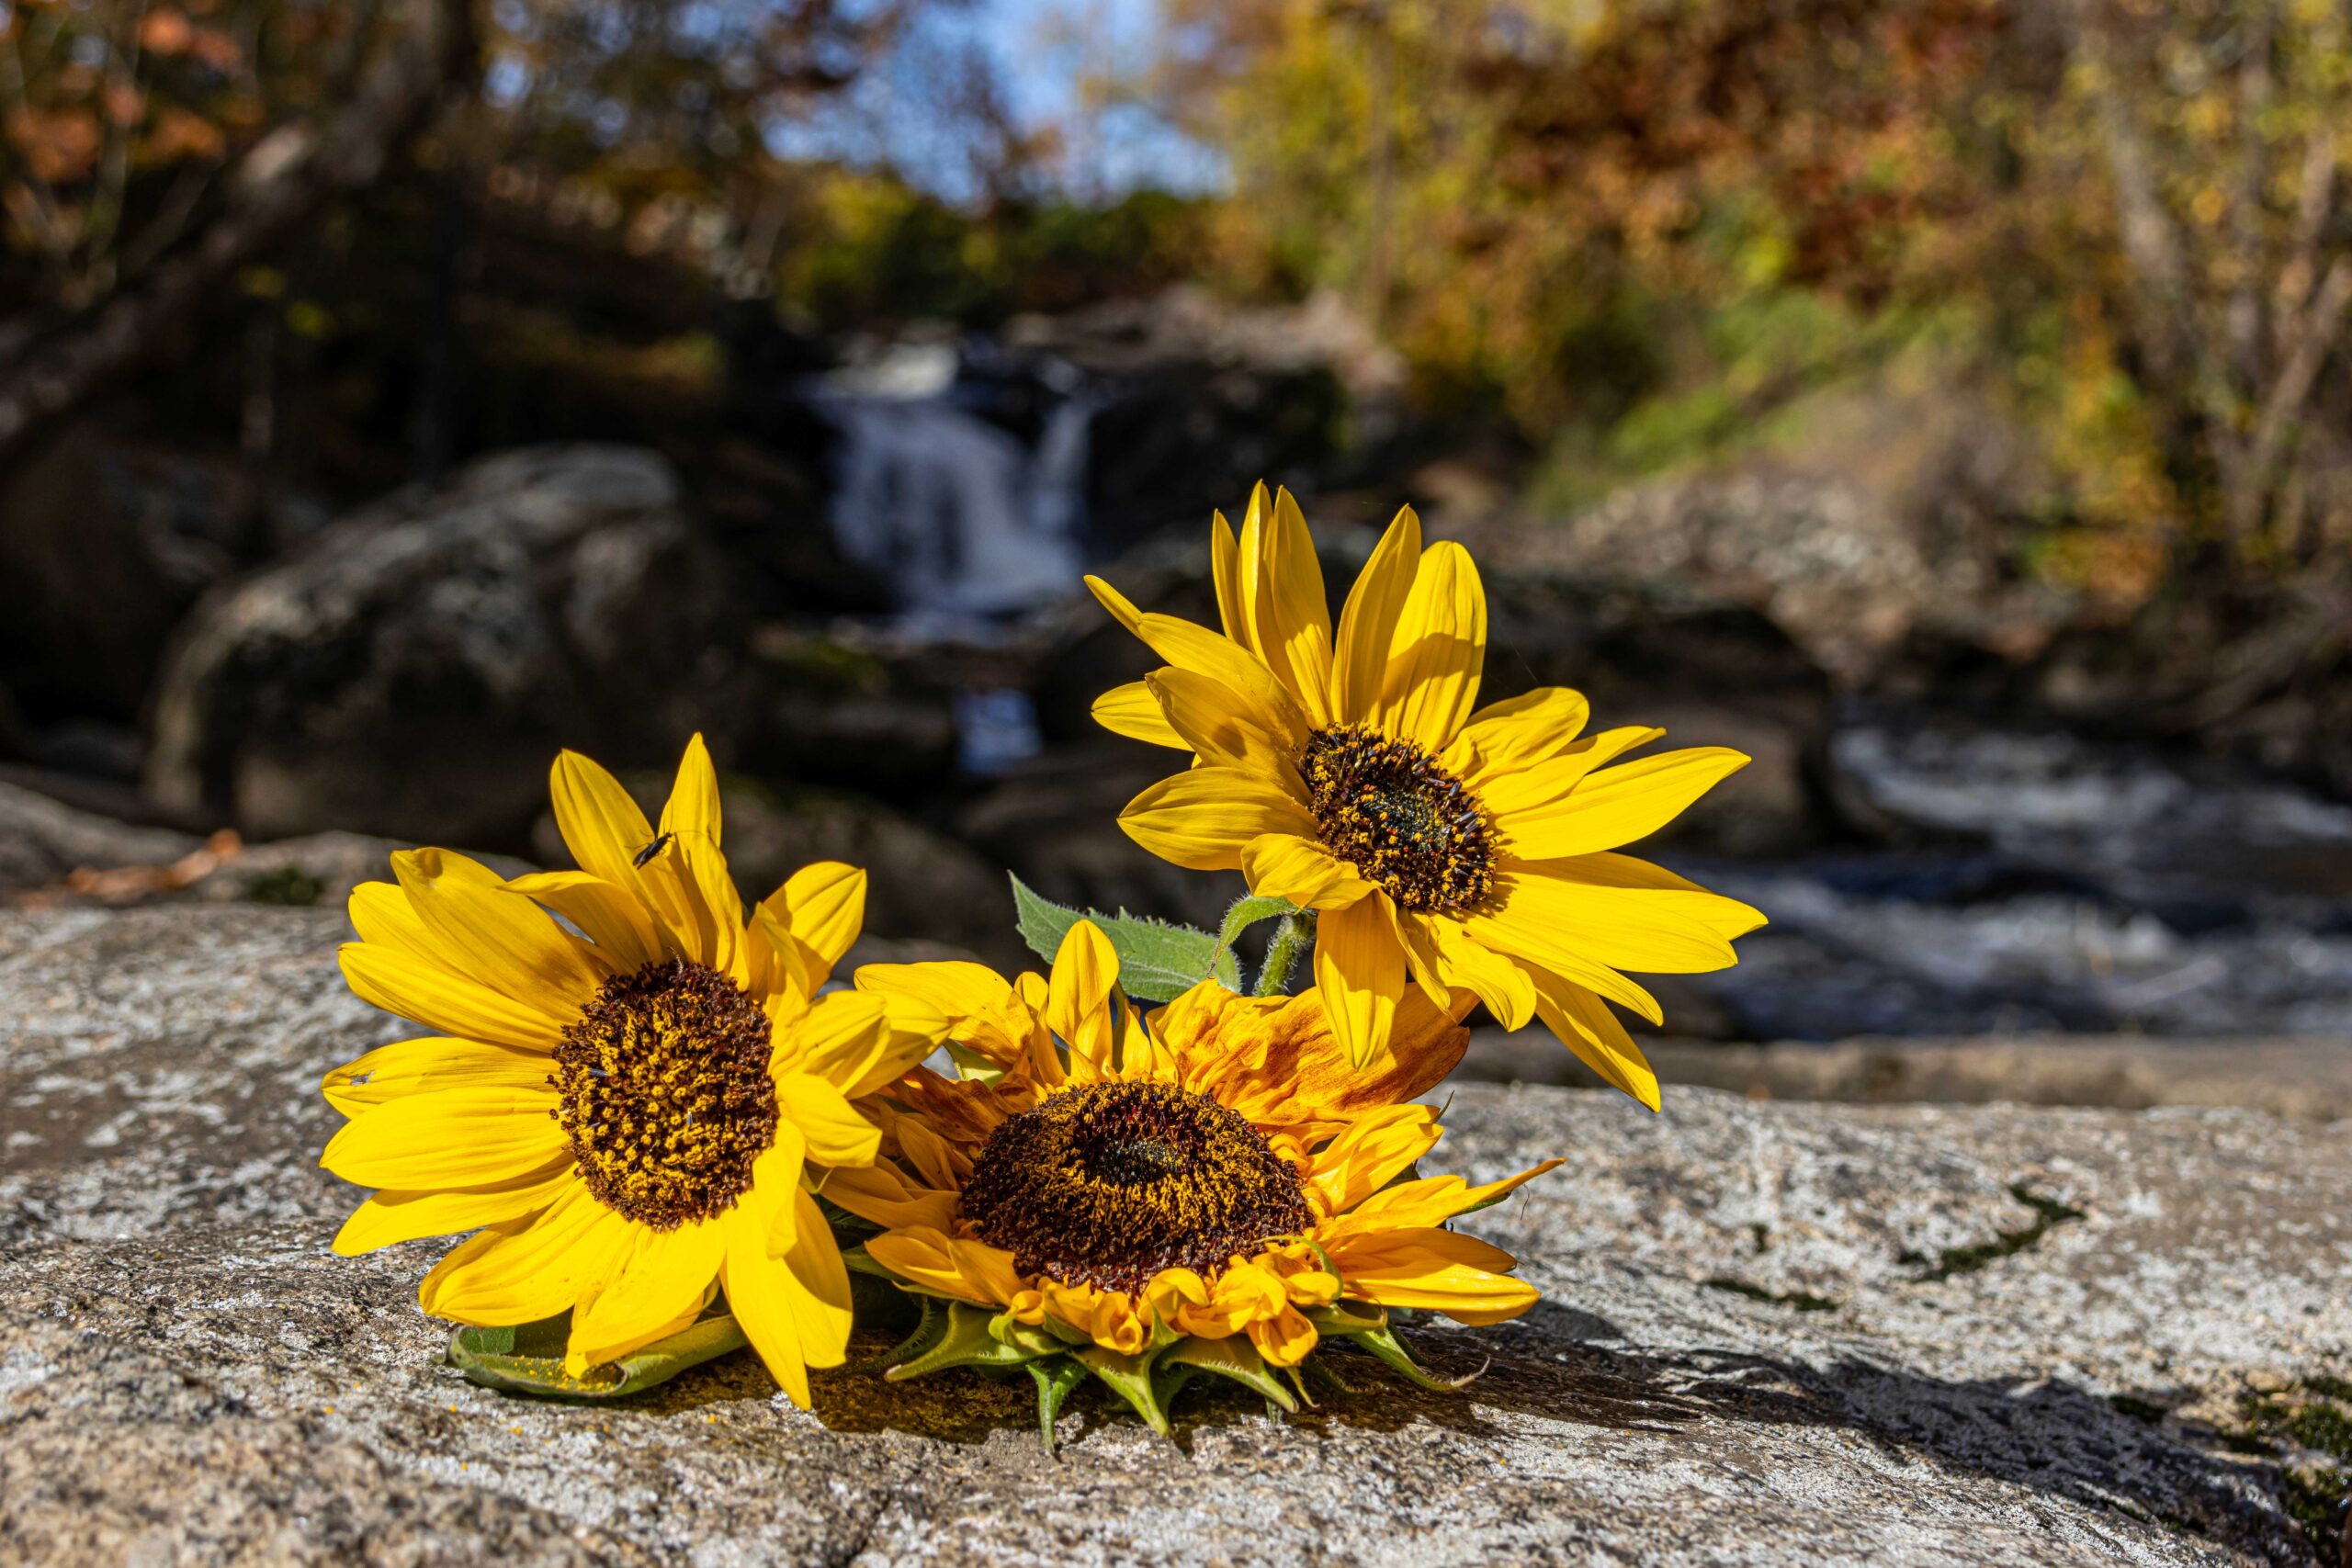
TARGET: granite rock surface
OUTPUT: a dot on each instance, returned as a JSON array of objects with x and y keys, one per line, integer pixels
[{"x": 1774, "y": 1333}]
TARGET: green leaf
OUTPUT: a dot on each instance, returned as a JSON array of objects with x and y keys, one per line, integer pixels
[
  {"x": 1056, "y": 1376},
  {"x": 1157, "y": 962},
  {"x": 963, "y": 1341},
  {"x": 1384, "y": 1343},
  {"x": 1232, "y": 1358},
  {"x": 1130, "y": 1378},
  {"x": 530, "y": 1358}
]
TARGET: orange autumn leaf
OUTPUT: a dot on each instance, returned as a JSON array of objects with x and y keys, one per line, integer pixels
[
  {"x": 124, "y": 103},
  {"x": 217, "y": 50},
  {"x": 61, "y": 145},
  {"x": 180, "y": 134},
  {"x": 166, "y": 32}
]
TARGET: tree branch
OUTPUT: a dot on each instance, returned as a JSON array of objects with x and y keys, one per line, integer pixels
[
  {"x": 2306, "y": 353},
  {"x": 277, "y": 186}
]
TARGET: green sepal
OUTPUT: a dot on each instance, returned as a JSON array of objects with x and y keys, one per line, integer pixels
[
  {"x": 974, "y": 1068},
  {"x": 1157, "y": 962},
  {"x": 1130, "y": 1377},
  {"x": 963, "y": 1341},
  {"x": 1009, "y": 1330},
  {"x": 859, "y": 1261},
  {"x": 528, "y": 1359},
  {"x": 1347, "y": 1318},
  {"x": 929, "y": 1326},
  {"x": 1056, "y": 1376},
  {"x": 1232, "y": 1358},
  {"x": 1382, "y": 1342}
]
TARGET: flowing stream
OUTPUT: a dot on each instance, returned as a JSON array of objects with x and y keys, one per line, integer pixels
[{"x": 2054, "y": 883}]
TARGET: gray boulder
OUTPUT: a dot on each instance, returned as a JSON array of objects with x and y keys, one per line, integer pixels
[
  {"x": 410, "y": 672},
  {"x": 1773, "y": 1334}
]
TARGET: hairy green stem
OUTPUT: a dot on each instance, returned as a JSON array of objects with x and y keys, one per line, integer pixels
[{"x": 1293, "y": 937}]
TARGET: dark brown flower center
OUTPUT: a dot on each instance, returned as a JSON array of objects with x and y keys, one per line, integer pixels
[
  {"x": 665, "y": 1093},
  {"x": 1386, "y": 805},
  {"x": 1108, "y": 1184}
]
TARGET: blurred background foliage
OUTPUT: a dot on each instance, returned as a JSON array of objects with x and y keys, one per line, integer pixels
[
  {"x": 1631, "y": 235},
  {"x": 1641, "y": 229},
  {"x": 1945, "y": 403}
]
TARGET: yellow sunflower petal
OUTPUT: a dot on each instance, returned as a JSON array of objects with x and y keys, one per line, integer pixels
[
  {"x": 1303, "y": 1059},
  {"x": 1282, "y": 605},
  {"x": 1436, "y": 651},
  {"x": 960, "y": 989},
  {"x": 1502, "y": 985},
  {"x": 929, "y": 1153},
  {"x": 1727, "y": 917},
  {"x": 835, "y": 1132},
  {"x": 968, "y": 1270},
  {"x": 394, "y": 1216},
  {"x": 663, "y": 1273},
  {"x": 1202, "y": 712},
  {"x": 1224, "y": 571},
  {"x": 1528, "y": 727},
  {"x": 601, "y": 825},
  {"x": 1201, "y": 819},
  {"x": 1363, "y": 1157},
  {"x": 825, "y": 906},
  {"x": 1285, "y": 1340},
  {"x": 1625, "y": 928},
  {"x": 424, "y": 993},
  {"x": 1359, "y": 973},
  {"x": 610, "y": 917},
  {"x": 499, "y": 938},
  {"x": 1131, "y": 710},
  {"x": 1420, "y": 942},
  {"x": 1368, "y": 622},
  {"x": 1587, "y": 1027},
  {"x": 1268, "y": 703},
  {"x": 714, "y": 907},
  {"x": 422, "y": 1067},
  {"x": 1617, "y": 806},
  {"x": 880, "y": 1192},
  {"x": 1285, "y": 865},
  {"x": 860, "y": 1041},
  {"x": 384, "y": 917},
  {"x": 1440, "y": 1270},
  {"x": 580, "y": 1359},
  {"x": 806, "y": 1284},
  {"x": 1529, "y": 782},
  {"x": 1430, "y": 1201},
  {"x": 453, "y": 1137},
  {"x": 763, "y": 1306},
  {"x": 1081, "y": 996},
  {"x": 1543, "y": 949},
  {"x": 531, "y": 1269}
]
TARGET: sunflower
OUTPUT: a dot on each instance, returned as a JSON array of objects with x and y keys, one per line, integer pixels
[
  {"x": 1214, "y": 1190},
  {"x": 627, "y": 1084},
  {"x": 1468, "y": 847}
]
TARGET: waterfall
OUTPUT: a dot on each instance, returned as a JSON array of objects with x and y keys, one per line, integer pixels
[{"x": 955, "y": 513}]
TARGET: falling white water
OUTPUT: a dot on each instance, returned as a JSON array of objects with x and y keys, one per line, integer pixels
[{"x": 954, "y": 513}]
